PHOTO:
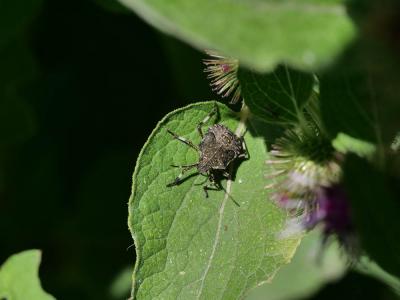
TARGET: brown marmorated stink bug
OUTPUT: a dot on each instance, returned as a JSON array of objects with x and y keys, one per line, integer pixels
[{"x": 218, "y": 149}]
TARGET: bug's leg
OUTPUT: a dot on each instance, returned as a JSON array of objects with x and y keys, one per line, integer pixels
[
  {"x": 211, "y": 187},
  {"x": 213, "y": 184},
  {"x": 245, "y": 153},
  {"x": 227, "y": 174},
  {"x": 183, "y": 140},
  {"x": 185, "y": 167},
  {"x": 208, "y": 117},
  {"x": 205, "y": 190},
  {"x": 178, "y": 179}
]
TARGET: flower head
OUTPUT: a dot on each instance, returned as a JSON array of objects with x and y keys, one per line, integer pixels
[
  {"x": 222, "y": 71},
  {"x": 333, "y": 214},
  {"x": 306, "y": 172}
]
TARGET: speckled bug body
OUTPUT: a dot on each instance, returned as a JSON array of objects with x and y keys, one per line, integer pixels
[{"x": 218, "y": 149}]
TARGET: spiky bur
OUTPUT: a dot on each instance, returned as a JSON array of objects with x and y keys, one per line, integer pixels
[
  {"x": 306, "y": 172},
  {"x": 222, "y": 72}
]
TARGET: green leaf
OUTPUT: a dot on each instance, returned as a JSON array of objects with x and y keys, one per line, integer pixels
[
  {"x": 276, "y": 97},
  {"x": 19, "y": 277},
  {"x": 260, "y": 33},
  {"x": 192, "y": 247},
  {"x": 322, "y": 265},
  {"x": 375, "y": 209},
  {"x": 359, "y": 95}
]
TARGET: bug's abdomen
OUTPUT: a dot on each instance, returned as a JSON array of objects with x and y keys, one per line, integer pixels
[{"x": 209, "y": 152}]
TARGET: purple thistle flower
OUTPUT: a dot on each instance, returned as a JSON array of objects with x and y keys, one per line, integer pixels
[
  {"x": 309, "y": 191},
  {"x": 328, "y": 208},
  {"x": 332, "y": 213},
  {"x": 332, "y": 210}
]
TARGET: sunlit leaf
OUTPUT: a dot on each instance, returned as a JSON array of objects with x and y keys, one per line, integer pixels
[{"x": 192, "y": 247}]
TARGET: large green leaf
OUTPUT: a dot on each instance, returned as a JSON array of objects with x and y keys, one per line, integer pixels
[
  {"x": 375, "y": 208},
  {"x": 192, "y": 247},
  {"x": 19, "y": 277},
  {"x": 312, "y": 267},
  {"x": 276, "y": 97},
  {"x": 261, "y": 33}
]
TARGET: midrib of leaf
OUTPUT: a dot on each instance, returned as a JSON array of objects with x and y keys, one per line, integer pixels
[{"x": 239, "y": 130}]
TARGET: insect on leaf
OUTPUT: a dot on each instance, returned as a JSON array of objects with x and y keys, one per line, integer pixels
[{"x": 192, "y": 247}]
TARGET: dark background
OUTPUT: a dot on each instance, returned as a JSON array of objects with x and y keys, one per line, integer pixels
[{"x": 82, "y": 85}]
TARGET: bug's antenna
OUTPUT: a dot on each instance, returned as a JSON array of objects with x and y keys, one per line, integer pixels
[{"x": 230, "y": 196}]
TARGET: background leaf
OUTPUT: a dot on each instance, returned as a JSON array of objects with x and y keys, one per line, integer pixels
[
  {"x": 261, "y": 34},
  {"x": 15, "y": 16},
  {"x": 347, "y": 144},
  {"x": 121, "y": 286},
  {"x": 311, "y": 268},
  {"x": 359, "y": 95},
  {"x": 192, "y": 247},
  {"x": 375, "y": 210},
  {"x": 19, "y": 277},
  {"x": 18, "y": 71},
  {"x": 276, "y": 97}
]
